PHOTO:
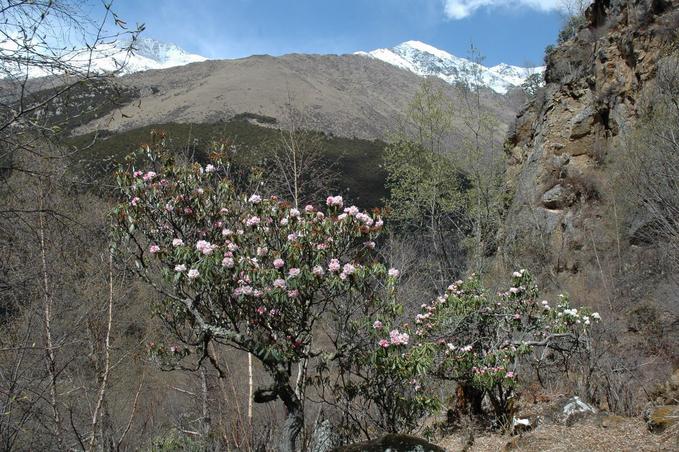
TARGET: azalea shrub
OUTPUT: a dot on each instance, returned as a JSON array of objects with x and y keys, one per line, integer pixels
[
  {"x": 254, "y": 273},
  {"x": 479, "y": 339}
]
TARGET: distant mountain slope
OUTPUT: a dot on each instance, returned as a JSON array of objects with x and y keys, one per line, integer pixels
[
  {"x": 347, "y": 95},
  {"x": 358, "y": 163},
  {"x": 423, "y": 59},
  {"x": 414, "y": 56}
]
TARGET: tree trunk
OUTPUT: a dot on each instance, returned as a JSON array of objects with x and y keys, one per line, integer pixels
[
  {"x": 205, "y": 423},
  {"x": 469, "y": 400},
  {"x": 290, "y": 432},
  {"x": 295, "y": 421}
]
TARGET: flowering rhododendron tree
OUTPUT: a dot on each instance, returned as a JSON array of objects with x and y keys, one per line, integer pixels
[
  {"x": 482, "y": 338},
  {"x": 250, "y": 272}
]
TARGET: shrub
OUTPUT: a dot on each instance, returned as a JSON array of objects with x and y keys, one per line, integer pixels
[
  {"x": 479, "y": 340},
  {"x": 571, "y": 27},
  {"x": 469, "y": 336},
  {"x": 649, "y": 164}
]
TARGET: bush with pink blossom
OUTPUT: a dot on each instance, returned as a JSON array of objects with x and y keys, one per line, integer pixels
[{"x": 481, "y": 339}]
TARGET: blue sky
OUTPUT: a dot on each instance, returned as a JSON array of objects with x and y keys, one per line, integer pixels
[{"x": 510, "y": 31}]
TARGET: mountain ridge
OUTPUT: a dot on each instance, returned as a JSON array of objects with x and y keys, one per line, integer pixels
[
  {"x": 415, "y": 56},
  {"x": 108, "y": 57},
  {"x": 346, "y": 95},
  {"x": 426, "y": 60}
]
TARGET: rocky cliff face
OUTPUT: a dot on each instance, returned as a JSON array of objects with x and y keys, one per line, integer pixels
[{"x": 562, "y": 218}]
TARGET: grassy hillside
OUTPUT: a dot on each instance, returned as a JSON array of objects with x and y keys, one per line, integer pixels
[{"x": 358, "y": 161}]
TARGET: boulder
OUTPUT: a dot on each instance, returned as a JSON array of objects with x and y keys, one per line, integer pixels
[
  {"x": 668, "y": 392},
  {"x": 582, "y": 123},
  {"x": 522, "y": 425},
  {"x": 611, "y": 420},
  {"x": 573, "y": 409},
  {"x": 556, "y": 197}
]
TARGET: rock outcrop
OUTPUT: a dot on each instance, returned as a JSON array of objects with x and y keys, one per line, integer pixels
[{"x": 561, "y": 219}]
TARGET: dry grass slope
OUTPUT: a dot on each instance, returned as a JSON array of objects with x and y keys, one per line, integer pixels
[{"x": 346, "y": 95}]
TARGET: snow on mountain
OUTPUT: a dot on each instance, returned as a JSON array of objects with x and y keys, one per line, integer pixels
[
  {"x": 147, "y": 53},
  {"x": 152, "y": 54},
  {"x": 424, "y": 60}
]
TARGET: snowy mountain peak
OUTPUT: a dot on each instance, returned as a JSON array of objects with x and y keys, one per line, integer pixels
[
  {"x": 424, "y": 59},
  {"x": 109, "y": 57},
  {"x": 163, "y": 53},
  {"x": 147, "y": 53},
  {"x": 420, "y": 46}
]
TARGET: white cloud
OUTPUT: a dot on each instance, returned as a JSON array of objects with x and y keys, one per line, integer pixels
[{"x": 459, "y": 9}]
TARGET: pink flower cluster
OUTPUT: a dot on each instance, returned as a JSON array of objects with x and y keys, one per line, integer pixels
[
  {"x": 255, "y": 199},
  {"x": 318, "y": 270},
  {"x": 334, "y": 265},
  {"x": 397, "y": 338},
  {"x": 253, "y": 221},
  {"x": 336, "y": 201},
  {"x": 494, "y": 370},
  {"x": 293, "y": 272},
  {"x": 205, "y": 247},
  {"x": 149, "y": 176}
]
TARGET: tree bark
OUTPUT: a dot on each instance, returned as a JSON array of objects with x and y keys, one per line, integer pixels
[
  {"x": 295, "y": 418},
  {"x": 291, "y": 430}
]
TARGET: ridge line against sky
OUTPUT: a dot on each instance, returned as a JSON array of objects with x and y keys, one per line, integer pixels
[{"x": 505, "y": 31}]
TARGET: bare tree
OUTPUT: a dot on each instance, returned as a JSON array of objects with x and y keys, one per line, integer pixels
[
  {"x": 651, "y": 165},
  {"x": 48, "y": 69},
  {"x": 298, "y": 168},
  {"x": 49, "y": 50},
  {"x": 480, "y": 156}
]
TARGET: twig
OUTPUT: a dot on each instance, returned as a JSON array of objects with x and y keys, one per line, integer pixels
[{"x": 107, "y": 353}]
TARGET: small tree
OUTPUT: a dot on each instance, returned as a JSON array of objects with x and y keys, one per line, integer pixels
[
  {"x": 250, "y": 273},
  {"x": 297, "y": 170},
  {"x": 426, "y": 187},
  {"x": 532, "y": 84},
  {"x": 481, "y": 158}
]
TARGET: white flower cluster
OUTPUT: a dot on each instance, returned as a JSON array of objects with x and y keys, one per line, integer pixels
[{"x": 573, "y": 315}]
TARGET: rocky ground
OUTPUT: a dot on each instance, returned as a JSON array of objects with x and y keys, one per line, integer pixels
[
  {"x": 596, "y": 433},
  {"x": 568, "y": 424}
]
